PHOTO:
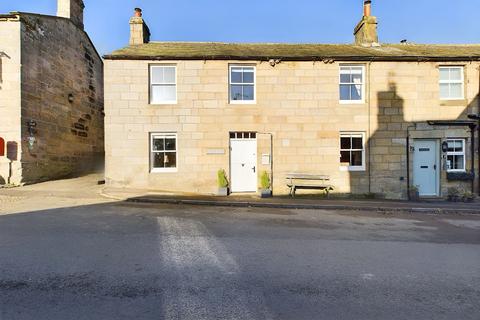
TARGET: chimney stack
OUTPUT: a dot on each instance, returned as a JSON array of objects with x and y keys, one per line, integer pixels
[
  {"x": 71, "y": 9},
  {"x": 366, "y": 30},
  {"x": 139, "y": 32}
]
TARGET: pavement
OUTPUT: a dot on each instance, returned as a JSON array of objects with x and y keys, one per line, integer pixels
[
  {"x": 66, "y": 252},
  {"x": 300, "y": 202}
]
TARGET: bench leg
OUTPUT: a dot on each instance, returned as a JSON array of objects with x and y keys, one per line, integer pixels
[
  {"x": 293, "y": 193},
  {"x": 328, "y": 192}
]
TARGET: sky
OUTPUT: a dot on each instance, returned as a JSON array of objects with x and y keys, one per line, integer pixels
[{"x": 292, "y": 21}]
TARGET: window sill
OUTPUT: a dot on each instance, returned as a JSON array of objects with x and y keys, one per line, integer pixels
[
  {"x": 352, "y": 102},
  {"x": 164, "y": 170},
  {"x": 352, "y": 169},
  {"x": 243, "y": 102},
  {"x": 163, "y": 103}
]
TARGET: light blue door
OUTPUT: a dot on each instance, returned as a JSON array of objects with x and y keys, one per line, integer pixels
[{"x": 425, "y": 167}]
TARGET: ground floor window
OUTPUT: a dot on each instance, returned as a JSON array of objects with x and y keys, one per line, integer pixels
[
  {"x": 163, "y": 152},
  {"x": 352, "y": 150},
  {"x": 456, "y": 155}
]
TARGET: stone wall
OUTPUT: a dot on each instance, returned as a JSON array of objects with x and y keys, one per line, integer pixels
[
  {"x": 297, "y": 102},
  {"x": 10, "y": 68},
  {"x": 62, "y": 92}
]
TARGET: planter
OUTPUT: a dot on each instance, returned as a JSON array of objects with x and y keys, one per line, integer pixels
[
  {"x": 414, "y": 195},
  {"x": 265, "y": 193},
  {"x": 223, "y": 192},
  {"x": 453, "y": 198}
]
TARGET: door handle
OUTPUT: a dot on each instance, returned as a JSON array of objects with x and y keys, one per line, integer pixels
[
  {"x": 434, "y": 167},
  {"x": 253, "y": 169}
]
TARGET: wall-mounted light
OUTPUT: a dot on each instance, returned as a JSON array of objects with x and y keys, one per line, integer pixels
[
  {"x": 70, "y": 98},
  {"x": 444, "y": 146}
]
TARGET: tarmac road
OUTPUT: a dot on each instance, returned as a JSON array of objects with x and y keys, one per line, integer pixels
[{"x": 117, "y": 260}]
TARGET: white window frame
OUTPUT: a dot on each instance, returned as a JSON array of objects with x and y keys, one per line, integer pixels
[
  {"x": 254, "y": 101},
  {"x": 354, "y": 134},
  {"x": 151, "y": 152},
  {"x": 151, "y": 84},
  {"x": 362, "y": 101},
  {"x": 456, "y": 153},
  {"x": 449, "y": 82}
]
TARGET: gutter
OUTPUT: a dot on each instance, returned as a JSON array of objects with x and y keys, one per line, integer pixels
[{"x": 299, "y": 58}]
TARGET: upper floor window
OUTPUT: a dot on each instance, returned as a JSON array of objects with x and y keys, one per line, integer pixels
[
  {"x": 352, "y": 84},
  {"x": 163, "y": 152},
  {"x": 456, "y": 155},
  {"x": 352, "y": 150},
  {"x": 451, "y": 83},
  {"x": 163, "y": 84},
  {"x": 242, "y": 84}
]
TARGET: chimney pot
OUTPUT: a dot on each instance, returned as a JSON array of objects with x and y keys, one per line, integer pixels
[
  {"x": 138, "y": 12},
  {"x": 367, "y": 8}
]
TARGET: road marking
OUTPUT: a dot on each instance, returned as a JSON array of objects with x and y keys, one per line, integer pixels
[{"x": 202, "y": 268}]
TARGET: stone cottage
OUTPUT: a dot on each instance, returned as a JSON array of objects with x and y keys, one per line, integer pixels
[
  {"x": 51, "y": 96},
  {"x": 376, "y": 118}
]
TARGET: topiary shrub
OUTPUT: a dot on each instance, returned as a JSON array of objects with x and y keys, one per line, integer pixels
[
  {"x": 265, "y": 180},
  {"x": 222, "y": 179}
]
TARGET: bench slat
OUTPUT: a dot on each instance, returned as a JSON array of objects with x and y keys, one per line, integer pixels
[{"x": 308, "y": 177}]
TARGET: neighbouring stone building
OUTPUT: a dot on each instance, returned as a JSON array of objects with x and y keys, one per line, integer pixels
[
  {"x": 377, "y": 118},
  {"x": 51, "y": 96}
]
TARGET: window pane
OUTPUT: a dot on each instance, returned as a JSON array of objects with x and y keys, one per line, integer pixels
[
  {"x": 456, "y": 90},
  {"x": 157, "y": 75},
  {"x": 344, "y": 92},
  {"x": 444, "y": 74},
  {"x": 248, "y": 93},
  {"x": 345, "y": 143},
  {"x": 356, "y": 92},
  {"x": 248, "y": 76},
  {"x": 345, "y": 157},
  {"x": 236, "y": 75},
  {"x": 456, "y": 74},
  {"x": 357, "y": 78},
  {"x": 356, "y": 158},
  {"x": 450, "y": 161},
  {"x": 357, "y": 143},
  {"x": 444, "y": 91},
  {"x": 345, "y": 78},
  {"x": 169, "y": 75},
  {"x": 170, "y": 144},
  {"x": 236, "y": 92},
  {"x": 458, "y": 146},
  {"x": 170, "y": 160},
  {"x": 162, "y": 93},
  {"x": 451, "y": 146},
  {"x": 158, "y": 144},
  {"x": 458, "y": 164},
  {"x": 159, "y": 160}
]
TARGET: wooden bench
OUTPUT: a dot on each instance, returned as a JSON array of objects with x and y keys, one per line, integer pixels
[{"x": 297, "y": 181}]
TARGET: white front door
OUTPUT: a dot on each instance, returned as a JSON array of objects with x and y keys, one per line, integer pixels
[
  {"x": 243, "y": 165},
  {"x": 426, "y": 167}
]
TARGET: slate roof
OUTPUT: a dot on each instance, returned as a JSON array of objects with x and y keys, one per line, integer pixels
[{"x": 295, "y": 52}]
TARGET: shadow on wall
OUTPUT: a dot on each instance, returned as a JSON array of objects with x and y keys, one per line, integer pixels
[{"x": 388, "y": 164}]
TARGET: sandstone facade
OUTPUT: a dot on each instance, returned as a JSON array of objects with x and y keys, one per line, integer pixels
[
  {"x": 298, "y": 104},
  {"x": 51, "y": 97}
]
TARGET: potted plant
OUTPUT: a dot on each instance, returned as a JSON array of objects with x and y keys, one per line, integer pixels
[
  {"x": 453, "y": 194},
  {"x": 222, "y": 183},
  {"x": 414, "y": 194},
  {"x": 265, "y": 191},
  {"x": 468, "y": 196}
]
